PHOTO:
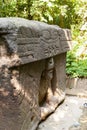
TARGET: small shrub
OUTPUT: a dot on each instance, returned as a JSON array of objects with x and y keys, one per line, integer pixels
[{"x": 76, "y": 65}]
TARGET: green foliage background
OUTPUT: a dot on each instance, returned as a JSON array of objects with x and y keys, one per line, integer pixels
[
  {"x": 65, "y": 13},
  {"x": 70, "y": 14}
]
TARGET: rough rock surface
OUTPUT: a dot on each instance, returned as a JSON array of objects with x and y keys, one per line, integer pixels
[
  {"x": 32, "y": 71},
  {"x": 76, "y": 86},
  {"x": 71, "y": 115}
]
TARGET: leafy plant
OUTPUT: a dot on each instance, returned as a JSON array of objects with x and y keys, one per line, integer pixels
[{"x": 76, "y": 65}]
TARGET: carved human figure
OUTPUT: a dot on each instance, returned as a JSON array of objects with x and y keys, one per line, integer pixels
[{"x": 48, "y": 98}]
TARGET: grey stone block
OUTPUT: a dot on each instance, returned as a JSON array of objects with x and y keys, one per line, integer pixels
[{"x": 32, "y": 71}]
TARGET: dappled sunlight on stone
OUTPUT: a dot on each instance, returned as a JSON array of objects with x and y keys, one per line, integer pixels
[
  {"x": 66, "y": 116},
  {"x": 32, "y": 72},
  {"x": 3, "y": 92},
  {"x": 74, "y": 101},
  {"x": 61, "y": 114}
]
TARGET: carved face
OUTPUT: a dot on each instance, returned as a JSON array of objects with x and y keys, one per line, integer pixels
[{"x": 49, "y": 68}]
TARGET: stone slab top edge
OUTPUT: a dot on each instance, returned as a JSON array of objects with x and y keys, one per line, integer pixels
[{"x": 32, "y": 40}]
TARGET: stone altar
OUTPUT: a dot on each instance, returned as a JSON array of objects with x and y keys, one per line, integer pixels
[{"x": 32, "y": 71}]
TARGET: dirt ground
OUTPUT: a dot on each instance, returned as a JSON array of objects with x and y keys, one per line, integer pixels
[{"x": 71, "y": 115}]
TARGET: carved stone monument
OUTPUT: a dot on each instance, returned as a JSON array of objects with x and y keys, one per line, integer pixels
[{"x": 32, "y": 71}]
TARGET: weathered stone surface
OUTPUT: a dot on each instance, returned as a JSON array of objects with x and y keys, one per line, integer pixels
[
  {"x": 71, "y": 115},
  {"x": 32, "y": 71},
  {"x": 76, "y": 86},
  {"x": 32, "y": 40}
]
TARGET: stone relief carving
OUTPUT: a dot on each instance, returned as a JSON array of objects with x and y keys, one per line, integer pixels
[
  {"x": 32, "y": 71},
  {"x": 47, "y": 87}
]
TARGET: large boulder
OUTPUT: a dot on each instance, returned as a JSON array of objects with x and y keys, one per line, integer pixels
[{"x": 32, "y": 71}]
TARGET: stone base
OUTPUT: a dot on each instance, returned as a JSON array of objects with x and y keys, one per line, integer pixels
[{"x": 76, "y": 87}]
